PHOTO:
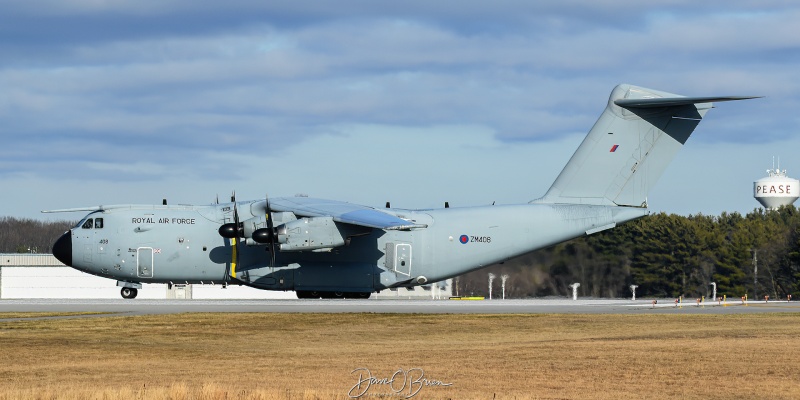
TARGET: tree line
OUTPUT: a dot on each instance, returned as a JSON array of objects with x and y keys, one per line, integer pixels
[
  {"x": 665, "y": 255},
  {"x": 30, "y": 235}
]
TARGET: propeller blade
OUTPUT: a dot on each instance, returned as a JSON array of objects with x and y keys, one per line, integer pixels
[
  {"x": 271, "y": 227},
  {"x": 235, "y": 242},
  {"x": 233, "y": 231},
  {"x": 236, "y": 215}
]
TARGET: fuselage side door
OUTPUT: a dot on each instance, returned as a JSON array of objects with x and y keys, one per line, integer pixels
[
  {"x": 86, "y": 238},
  {"x": 144, "y": 262},
  {"x": 100, "y": 238},
  {"x": 398, "y": 258}
]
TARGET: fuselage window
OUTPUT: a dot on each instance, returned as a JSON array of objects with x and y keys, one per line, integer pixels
[
  {"x": 87, "y": 224},
  {"x": 98, "y": 223}
]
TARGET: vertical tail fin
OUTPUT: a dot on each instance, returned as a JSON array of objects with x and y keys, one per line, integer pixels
[{"x": 629, "y": 146}]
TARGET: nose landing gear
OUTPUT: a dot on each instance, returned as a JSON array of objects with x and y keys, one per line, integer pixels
[
  {"x": 129, "y": 289},
  {"x": 129, "y": 293}
]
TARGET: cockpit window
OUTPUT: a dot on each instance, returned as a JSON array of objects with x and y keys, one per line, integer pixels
[
  {"x": 98, "y": 223},
  {"x": 87, "y": 224}
]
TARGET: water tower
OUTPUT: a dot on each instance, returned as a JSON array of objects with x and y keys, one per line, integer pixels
[{"x": 777, "y": 189}]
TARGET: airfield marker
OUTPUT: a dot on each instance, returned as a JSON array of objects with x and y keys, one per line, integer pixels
[
  {"x": 575, "y": 287},
  {"x": 714, "y": 294}
]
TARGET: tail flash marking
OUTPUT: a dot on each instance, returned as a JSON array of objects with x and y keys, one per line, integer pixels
[{"x": 614, "y": 148}]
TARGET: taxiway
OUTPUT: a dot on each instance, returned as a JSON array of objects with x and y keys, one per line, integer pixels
[{"x": 532, "y": 306}]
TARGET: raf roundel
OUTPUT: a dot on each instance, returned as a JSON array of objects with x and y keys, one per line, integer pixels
[{"x": 463, "y": 239}]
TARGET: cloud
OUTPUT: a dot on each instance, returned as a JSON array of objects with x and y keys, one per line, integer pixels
[{"x": 153, "y": 91}]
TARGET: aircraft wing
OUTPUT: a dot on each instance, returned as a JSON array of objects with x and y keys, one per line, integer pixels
[{"x": 344, "y": 212}]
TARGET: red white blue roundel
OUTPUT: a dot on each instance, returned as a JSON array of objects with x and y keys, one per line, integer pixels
[{"x": 463, "y": 239}]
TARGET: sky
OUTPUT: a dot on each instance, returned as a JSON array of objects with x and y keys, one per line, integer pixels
[{"x": 414, "y": 102}]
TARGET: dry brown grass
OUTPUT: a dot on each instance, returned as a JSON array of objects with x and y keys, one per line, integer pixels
[
  {"x": 311, "y": 356},
  {"x": 10, "y": 315}
]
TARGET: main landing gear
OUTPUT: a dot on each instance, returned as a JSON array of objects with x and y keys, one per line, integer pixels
[
  {"x": 129, "y": 293},
  {"x": 313, "y": 294}
]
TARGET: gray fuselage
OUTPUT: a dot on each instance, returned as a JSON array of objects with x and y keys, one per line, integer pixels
[{"x": 181, "y": 244}]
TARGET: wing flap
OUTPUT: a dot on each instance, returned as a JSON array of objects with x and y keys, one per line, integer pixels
[
  {"x": 343, "y": 212},
  {"x": 376, "y": 219}
]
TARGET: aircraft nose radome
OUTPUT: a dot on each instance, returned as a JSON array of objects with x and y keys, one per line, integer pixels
[{"x": 62, "y": 249}]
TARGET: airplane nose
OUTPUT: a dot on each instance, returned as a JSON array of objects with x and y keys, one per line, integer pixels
[{"x": 62, "y": 249}]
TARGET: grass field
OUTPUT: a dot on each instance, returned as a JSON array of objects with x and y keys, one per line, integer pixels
[{"x": 313, "y": 356}]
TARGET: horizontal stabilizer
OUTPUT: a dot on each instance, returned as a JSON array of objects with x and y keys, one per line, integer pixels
[{"x": 675, "y": 101}]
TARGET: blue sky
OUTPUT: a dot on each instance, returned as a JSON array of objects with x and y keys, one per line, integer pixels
[{"x": 413, "y": 102}]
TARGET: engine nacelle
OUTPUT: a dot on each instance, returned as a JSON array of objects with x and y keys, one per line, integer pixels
[
  {"x": 307, "y": 234},
  {"x": 253, "y": 224},
  {"x": 256, "y": 228}
]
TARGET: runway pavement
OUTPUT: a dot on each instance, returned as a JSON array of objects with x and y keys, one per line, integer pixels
[{"x": 532, "y": 306}]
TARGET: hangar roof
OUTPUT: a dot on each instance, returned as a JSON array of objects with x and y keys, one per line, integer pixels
[{"x": 28, "y": 260}]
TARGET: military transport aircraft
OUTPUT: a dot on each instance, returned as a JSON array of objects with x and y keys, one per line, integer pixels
[{"x": 332, "y": 249}]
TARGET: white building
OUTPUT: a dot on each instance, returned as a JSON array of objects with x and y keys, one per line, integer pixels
[{"x": 41, "y": 276}]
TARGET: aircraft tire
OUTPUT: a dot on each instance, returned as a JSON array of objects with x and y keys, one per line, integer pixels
[
  {"x": 305, "y": 294},
  {"x": 129, "y": 293},
  {"x": 357, "y": 295}
]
